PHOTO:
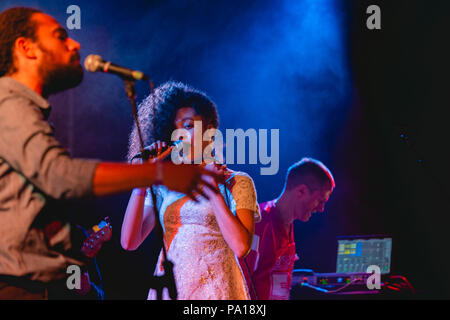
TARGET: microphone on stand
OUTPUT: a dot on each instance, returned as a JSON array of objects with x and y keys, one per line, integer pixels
[{"x": 95, "y": 63}]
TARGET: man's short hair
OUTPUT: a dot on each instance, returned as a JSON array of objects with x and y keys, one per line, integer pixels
[
  {"x": 14, "y": 23},
  {"x": 310, "y": 172}
]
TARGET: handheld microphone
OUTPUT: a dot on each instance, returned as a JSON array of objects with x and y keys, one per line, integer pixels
[
  {"x": 95, "y": 63},
  {"x": 152, "y": 153}
]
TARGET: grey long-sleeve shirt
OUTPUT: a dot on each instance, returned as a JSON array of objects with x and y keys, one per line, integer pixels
[{"x": 35, "y": 170}]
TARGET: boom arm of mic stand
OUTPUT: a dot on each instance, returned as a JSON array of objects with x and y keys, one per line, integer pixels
[{"x": 167, "y": 280}]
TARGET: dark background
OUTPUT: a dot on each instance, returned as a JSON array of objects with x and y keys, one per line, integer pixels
[{"x": 337, "y": 92}]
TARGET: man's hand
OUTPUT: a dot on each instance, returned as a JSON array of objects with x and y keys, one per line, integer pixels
[{"x": 190, "y": 179}]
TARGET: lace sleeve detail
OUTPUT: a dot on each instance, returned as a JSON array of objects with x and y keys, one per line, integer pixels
[{"x": 244, "y": 194}]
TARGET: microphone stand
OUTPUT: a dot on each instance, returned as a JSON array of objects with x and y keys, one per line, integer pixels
[{"x": 167, "y": 280}]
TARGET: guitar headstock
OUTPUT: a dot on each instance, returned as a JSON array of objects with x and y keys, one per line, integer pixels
[{"x": 100, "y": 233}]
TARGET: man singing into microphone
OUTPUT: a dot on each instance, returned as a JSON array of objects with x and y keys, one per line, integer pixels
[{"x": 38, "y": 59}]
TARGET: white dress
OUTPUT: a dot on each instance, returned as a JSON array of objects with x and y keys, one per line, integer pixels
[{"x": 205, "y": 268}]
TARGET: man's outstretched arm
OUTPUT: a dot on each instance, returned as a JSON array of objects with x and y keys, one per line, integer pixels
[
  {"x": 110, "y": 178},
  {"x": 28, "y": 145}
]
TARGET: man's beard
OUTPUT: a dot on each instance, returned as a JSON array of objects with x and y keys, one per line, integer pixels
[{"x": 58, "y": 77}]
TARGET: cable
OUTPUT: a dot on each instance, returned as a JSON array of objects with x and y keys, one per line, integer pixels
[
  {"x": 305, "y": 284},
  {"x": 251, "y": 280},
  {"x": 345, "y": 286},
  {"x": 100, "y": 289}
]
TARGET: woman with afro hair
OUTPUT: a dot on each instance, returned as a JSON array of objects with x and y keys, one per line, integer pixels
[{"x": 204, "y": 233}]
